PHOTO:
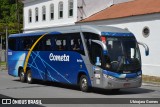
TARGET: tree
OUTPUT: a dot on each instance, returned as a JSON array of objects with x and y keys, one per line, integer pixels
[
  {"x": 11, "y": 15},
  {"x": 10, "y": 12}
]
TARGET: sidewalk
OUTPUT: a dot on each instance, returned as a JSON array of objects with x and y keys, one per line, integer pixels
[
  {"x": 3, "y": 68},
  {"x": 149, "y": 83}
]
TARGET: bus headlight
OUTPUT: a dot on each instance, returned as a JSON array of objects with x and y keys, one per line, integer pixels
[
  {"x": 139, "y": 76},
  {"x": 108, "y": 76}
]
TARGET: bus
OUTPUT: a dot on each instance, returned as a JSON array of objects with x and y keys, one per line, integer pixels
[{"x": 85, "y": 55}]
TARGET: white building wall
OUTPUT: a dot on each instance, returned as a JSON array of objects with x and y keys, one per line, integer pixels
[
  {"x": 151, "y": 63},
  {"x": 120, "y": 1},
  {"x": 41, "y": 25},
  {"x": 82, "y": 9},
  {"x": 87, "y": 8}
]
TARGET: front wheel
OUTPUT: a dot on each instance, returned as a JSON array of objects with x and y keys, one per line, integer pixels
[
  {"x": 29, "y": 77},
  {"x": 84, "y": 83}
]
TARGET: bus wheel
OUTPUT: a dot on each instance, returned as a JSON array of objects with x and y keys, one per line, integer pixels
[
  {"x": 115, "y": 90},
  {"x": 29, "y": 77},
  {"x": 84, "y": 83},
  {"x": 22, "y": 76}
]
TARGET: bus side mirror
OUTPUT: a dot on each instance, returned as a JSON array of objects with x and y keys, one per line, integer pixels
[
  {"x": 145, "y": 47},
  {"x": 102, "y": 45}
]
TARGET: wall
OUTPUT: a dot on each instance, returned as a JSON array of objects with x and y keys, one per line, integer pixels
[
  {"x": 151, "y": 63},
  {"x": 82, "y": 9},
  {"x": 87, "y": 8},
  {"x": 34, "y": 26}
]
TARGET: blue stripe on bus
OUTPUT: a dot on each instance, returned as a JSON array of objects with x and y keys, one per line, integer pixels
[
  {"x": 120, "y": 75},
  {"x": 116, "y": 34}
]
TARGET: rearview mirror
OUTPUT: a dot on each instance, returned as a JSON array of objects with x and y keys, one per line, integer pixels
[
  {"x": 145, "y": 47},
  {"x": 102, "y": 45}
]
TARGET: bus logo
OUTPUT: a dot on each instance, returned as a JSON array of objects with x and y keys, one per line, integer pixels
[{"x": 64, "y": 57}]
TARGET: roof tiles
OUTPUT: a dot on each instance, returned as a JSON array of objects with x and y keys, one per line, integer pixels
[{"x": 132, "y": 8}]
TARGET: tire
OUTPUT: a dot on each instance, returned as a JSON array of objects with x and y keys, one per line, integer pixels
[
  {"x": 84, "y": 83},
  {"x": 22, "y": 76},
  {"x": 115, "y": 90},
  {"x": 29, "y": 77}
]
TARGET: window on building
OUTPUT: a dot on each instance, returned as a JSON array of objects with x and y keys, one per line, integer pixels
[
  {"x": 146, "y": 32},
  {"x": 70, "y": 8},
  {"x": 36, "y": 13},
  {"x": 30, "y": 15},
  {"x": 52, "y": 11},
  {"x": 43, "y": 13},
  {"x": 60, "y": 9}
]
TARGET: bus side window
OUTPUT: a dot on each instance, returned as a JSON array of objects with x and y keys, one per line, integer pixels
[
  {"x": 88, "y": 40},
  {"x": 96, "y": 54},
  {"x": 26, "y": 43},
  {"x": 76, "y": 43},
  {"x": 61, "y": 42},
  {"x": 12, "y": 44}
]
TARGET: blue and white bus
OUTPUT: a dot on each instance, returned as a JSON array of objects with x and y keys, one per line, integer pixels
[{"x": 89, "y": 56}]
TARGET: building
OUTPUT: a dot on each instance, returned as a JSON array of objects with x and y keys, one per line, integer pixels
[
  {"x": 142, "y": 17},
  {"x": 46, "y": 14}
]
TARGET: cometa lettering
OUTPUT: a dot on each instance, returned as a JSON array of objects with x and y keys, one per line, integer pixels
[{"x": 64, "y": 57}]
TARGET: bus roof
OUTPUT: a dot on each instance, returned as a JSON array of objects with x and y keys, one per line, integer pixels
[{"x": 100, "y": 30}]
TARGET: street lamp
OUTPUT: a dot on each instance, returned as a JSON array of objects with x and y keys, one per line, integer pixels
[{"x": 6, "y": 46}]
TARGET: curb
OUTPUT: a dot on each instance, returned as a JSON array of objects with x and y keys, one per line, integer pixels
[{"x": 154, "y": 84}]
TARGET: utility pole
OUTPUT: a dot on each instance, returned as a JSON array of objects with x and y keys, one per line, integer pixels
[
  {"x": 1, "y": 50},
  {"x": 1, "y": 41},
  {"x": 17, "y": 14},
  {"x": 6, "y": 47}
]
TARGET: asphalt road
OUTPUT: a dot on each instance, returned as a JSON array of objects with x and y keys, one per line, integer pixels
[{"x": 11, "y": 87}]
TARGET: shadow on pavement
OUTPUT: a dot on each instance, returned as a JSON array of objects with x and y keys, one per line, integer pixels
[{"x": 93, "y": 90}]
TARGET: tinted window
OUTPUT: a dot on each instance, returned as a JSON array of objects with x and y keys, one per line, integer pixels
[
  {"x": 12, "y": 44},
  {"x": 69, "y": 42},
  {"x": 76, "y": 43},
  {"x": 20, "y": 43},
  {"x": 88, "y": 40},
  {"x": 63, "y": 42},
  {"x": 45, "y": 44}
]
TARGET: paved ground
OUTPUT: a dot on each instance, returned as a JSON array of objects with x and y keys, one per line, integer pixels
[{"x": 11, "y": 87}]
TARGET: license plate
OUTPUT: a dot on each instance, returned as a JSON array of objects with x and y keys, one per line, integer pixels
[{"x": 126, "y": 84}]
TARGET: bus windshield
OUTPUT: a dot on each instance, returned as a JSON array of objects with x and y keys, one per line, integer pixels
[{"x": 123, "y": 54}]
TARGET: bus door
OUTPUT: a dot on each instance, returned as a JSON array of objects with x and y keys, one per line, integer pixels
[{"x": 96, "y": 58}]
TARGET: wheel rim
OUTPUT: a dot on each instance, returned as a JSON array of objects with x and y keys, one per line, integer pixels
[
  {"x": 22, "y": 76},
  {"x": 84, "y": 83},
  {"x": 29, "y": 78}
]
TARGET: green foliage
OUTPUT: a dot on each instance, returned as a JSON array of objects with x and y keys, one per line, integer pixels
[{"x": 10, "y": 12}]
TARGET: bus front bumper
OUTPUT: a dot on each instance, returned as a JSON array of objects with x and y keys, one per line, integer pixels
[{"x": 110, "y": 82}]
